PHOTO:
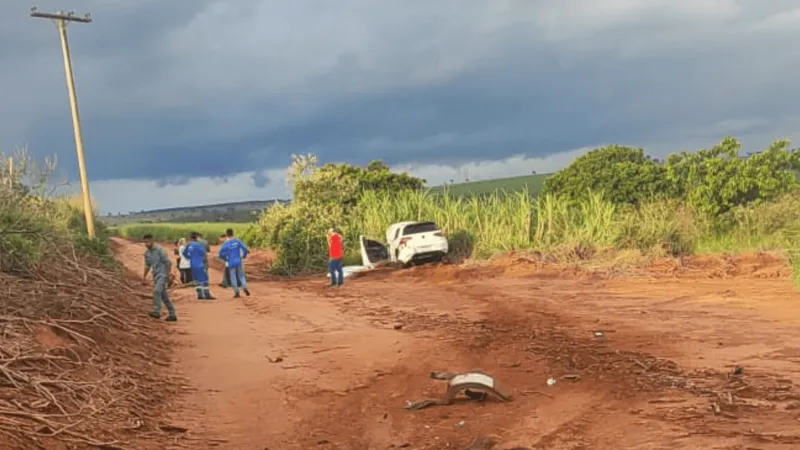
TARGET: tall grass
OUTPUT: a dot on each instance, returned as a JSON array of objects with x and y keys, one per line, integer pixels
[
  {"x": 170, "y": 232},
  {"x": 495, "y": 222},
  {"x": 482, "y": 225},
  {"x": 768, "y": 226},
  {"x": 506, "y": 221}
]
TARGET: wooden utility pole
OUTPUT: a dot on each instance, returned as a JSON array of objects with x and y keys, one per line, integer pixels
[{"x": 62, "y": 19}]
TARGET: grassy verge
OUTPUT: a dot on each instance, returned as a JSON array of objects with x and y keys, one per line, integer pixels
[{"x": 169, "y": 232}]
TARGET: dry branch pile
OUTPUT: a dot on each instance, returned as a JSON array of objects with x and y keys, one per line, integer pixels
[{"x": 80, "y": 364}]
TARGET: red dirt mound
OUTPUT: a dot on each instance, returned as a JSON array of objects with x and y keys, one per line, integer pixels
[
  {"x": 755, "y": 265},
  {"x": 79, "y": 360},
  {"x": 537, "y": 265}
]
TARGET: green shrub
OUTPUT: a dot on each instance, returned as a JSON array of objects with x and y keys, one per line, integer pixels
[
  {"x": 34, "y": 224},
  {"x": 714, "y": 181},
  {"x": 711, "y": 181},
  {"x": 625, "y": 175}
]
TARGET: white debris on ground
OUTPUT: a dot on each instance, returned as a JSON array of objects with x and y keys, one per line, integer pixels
[{"x": 349, "y": 270}]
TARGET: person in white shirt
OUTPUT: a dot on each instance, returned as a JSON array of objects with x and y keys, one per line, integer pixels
[{"x": 184, "y": 265}]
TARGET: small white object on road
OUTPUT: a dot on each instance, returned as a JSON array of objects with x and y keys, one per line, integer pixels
[{"x": 349, "y": 270}]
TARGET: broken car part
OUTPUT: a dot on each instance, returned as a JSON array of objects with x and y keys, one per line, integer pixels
[{"x": 468, "y": 383}]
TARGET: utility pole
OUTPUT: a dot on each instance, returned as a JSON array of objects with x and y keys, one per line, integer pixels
[{"x": 62, "y": 19}]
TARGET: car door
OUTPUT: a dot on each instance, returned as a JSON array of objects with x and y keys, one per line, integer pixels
[
  {"x": 373, "y": 253},
  {"x": 393, "y": 235}
]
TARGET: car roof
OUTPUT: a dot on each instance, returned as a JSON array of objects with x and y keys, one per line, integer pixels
[{"x": 410, "y": 222}]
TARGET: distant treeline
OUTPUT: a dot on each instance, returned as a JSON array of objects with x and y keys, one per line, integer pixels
[{"x": 240, "y": 212}]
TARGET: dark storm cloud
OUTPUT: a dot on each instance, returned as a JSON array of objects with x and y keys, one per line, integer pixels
[
  {"x": 202, "y": 89},
  {"x": 260, "y": 179}
]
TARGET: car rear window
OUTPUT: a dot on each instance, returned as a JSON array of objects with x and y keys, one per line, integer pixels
[{"x": 423, "y": 227}]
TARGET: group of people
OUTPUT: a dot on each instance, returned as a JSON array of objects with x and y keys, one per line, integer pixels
[{"x": 192, "y": 264}]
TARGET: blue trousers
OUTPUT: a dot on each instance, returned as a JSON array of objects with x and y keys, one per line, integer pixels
[
  {"x": 237, "y": 278},
  {"x": 337, "y": 273},
  {"x": 200, "y": 277}
]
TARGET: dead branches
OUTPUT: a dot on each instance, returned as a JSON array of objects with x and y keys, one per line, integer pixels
[{"x": 73, "y": 364}]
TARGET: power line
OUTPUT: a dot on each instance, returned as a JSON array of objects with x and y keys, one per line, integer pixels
[{"x": 62, "y": 19}]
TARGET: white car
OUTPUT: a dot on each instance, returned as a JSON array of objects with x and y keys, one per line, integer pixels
[{"x": 408, "y": 242}]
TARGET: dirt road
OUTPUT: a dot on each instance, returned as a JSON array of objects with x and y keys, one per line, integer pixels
[{"x": 300, "y": 366}]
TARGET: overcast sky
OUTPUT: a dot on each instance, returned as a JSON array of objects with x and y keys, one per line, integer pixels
[{"x": 198, "y": 101}]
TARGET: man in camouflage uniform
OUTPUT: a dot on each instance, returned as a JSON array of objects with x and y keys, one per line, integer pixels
[{"x": 156, "y": 260}]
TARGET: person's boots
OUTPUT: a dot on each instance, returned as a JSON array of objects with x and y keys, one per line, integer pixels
[
  {"x": 154, "y": 315},
  {"x": 246, "y": 292},
  {"x": 172, "y": 319},
  {"x": 207, "y": 294}
]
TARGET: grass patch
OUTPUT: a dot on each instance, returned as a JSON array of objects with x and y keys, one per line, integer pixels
[
  {"x": 532, "y": 184},
  {"x": 170, "y": 232}
]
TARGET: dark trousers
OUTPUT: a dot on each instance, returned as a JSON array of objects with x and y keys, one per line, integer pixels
[
  {"x": 337, "y": 274},
  {"x": 186, "y": 276},
  {"x": 226, "y": 277}
]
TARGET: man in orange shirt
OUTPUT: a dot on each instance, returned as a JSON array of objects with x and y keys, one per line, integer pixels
[{"x": 335, "y": 255}]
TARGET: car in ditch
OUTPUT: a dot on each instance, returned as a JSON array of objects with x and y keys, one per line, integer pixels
[{"x": 407, "y": 243}]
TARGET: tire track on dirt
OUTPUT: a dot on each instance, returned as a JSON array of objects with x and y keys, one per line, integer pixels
[{"x": 708, "y": 403}]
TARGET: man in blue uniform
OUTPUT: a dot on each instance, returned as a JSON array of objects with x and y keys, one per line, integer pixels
[
  {"x": 233, "y": 251},
  {"x": 157, "y": 261},
  {"x": 226, "y": 274},
  {"x": 195, "y": 252},
  {"x": 204, "y": 242}
]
